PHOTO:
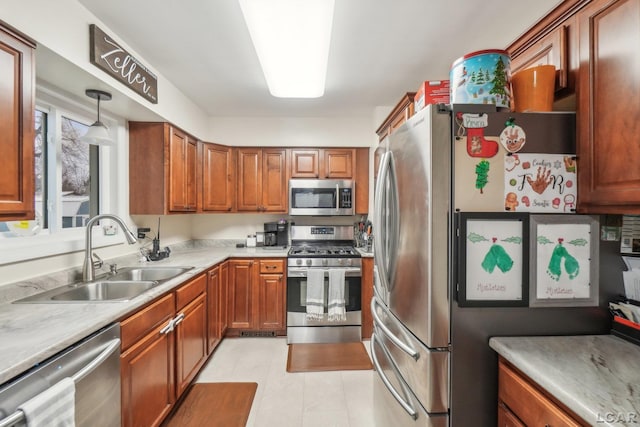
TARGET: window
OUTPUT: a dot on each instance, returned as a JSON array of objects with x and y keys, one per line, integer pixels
[{"x": 67, "y": 172}]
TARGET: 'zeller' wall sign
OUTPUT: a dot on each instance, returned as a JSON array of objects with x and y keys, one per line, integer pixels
[{"x": 107, "y": 55}]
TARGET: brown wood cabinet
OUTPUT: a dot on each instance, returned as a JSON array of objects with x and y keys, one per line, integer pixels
[
  {"x": 163, "y": 347},
  {"x": 608, "y": 107},
  {"x": 218, "y": 178},
  {"x": 552, "y": 49},
  {"x": 403, "y": 110},
  {"x": 217, "y": 305},
  {"x": 191, "y": 331},
  {"x": 147, "y": 364},
  {"x": 367, "y": 295},
  {"x": 257, "y": 295},
  {"x": 600, "y": 38},
  {"x": 17, "y": 105},
  {"x": 271, "y": 295},
  {"x": 262, "y": 180},
  {"x": 162, "y": 169},
  {"x": 323, "y": 163},
  {"x": 522, "y": 402}
]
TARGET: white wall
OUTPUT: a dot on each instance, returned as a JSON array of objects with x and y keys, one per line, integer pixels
[{"x": 61, "y": 28}]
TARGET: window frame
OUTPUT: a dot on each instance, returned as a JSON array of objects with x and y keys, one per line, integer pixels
[{"x": 112, "y": 186}]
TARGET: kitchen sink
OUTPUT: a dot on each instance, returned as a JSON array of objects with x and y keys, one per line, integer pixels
[
  {"x": 148, "y": 273},
  {"x": 106, "y": 290},
  {"x": 124, "y": 285}
]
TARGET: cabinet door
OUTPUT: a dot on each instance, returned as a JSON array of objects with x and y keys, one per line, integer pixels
[
  {"x": 218, "y": 178},
  {"x": 552, "y": 49},
  {"x": 506, "y": 418},
  {"x": 147, "y": 375},
  {"x": 249, "y": 179},
  {"x": 223, "y": 298},
  {"x": 182, "y": 172},
  {"x": 609, "y": 89},
  {"x": 305, "y": 163},
  {"x": 338, "y": 163},
  {"x": 240, "y": 294},
  {"x": 17, "y": 98},
  {"x": 271, "y": 301},
  {"x": 274, "y": 181},
  {"x": 191, "y": 342},
  {"x": 213, "y": 308}
]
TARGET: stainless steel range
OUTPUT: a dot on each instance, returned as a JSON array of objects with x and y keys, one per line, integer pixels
[{"x": 323, "y": 248}]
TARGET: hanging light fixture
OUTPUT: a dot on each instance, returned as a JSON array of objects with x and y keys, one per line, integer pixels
[{"x": 97, "y": 134}]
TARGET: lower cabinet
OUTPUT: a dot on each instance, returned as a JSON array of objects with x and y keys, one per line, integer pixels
[
  {"x": 217, "y": 305},
  {"x": 523, "y": 403},
  {"x": 257, "y": 295},
  {"x": 163, "y": 347}
]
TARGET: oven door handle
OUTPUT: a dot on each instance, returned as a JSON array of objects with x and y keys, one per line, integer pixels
[{"x": 302, "y": 272}]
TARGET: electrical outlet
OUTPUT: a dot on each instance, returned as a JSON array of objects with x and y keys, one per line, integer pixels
[{"x": 142, "y": 232}]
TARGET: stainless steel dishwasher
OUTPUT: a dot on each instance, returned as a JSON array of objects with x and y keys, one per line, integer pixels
[{"x": 94, "y": 365}]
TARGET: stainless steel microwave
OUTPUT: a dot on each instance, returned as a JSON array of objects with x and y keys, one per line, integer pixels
[{"x": 321, "y": 197}]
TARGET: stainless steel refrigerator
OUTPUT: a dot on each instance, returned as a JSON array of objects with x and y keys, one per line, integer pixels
[{"x": 433, "y": 362}]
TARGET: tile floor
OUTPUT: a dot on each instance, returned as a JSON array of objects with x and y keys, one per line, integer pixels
[{"x": 323, "y": 399}]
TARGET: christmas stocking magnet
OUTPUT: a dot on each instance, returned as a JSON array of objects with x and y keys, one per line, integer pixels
[{"x": 477, "y": 146}]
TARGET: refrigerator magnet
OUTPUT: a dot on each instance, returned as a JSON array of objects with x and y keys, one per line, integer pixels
[{"x": 493, "y": 259}]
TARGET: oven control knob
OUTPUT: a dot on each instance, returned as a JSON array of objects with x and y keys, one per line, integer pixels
[
  {"x": 309, "y": 262},
  {"x": 349, "y": 262},
  {"x": 325, "y": 262},
  {"x": 340, "y": 261},
  {"x": 298, "y": 262}
]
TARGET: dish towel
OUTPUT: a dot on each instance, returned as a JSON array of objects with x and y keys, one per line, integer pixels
[
  {"x": 315, "y": 294},
  {"x": 54, "y": 407},
  {"x": 337, "y": 312}
]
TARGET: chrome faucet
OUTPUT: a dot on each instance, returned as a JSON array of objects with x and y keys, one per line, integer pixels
[{"x": 88, "y": 268}]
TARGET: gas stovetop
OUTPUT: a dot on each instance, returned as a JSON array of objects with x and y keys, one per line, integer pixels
[{"x": 322, "y": 251}]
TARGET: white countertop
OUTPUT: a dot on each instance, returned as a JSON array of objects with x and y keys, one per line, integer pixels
[
  {"x": 595, "y": 376},
  {"x": 31, "y": 333}
]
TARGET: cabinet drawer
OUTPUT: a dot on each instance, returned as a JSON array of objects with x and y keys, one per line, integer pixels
[
  {"x": 528, "y": 403},
  {"x": 272, "y": 266},
  {"x": 133, "y": 328},
  {"x": 190, "y": 291}
]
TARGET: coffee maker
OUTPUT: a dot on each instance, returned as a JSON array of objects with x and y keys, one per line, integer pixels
[{"x": 276, "y": 233}]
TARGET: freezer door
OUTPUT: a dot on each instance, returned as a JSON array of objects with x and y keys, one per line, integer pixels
[
  {"x": 412, "y": 209},
  {"x": 394, "y": 403},
  {"x": 424, "y": 370}
]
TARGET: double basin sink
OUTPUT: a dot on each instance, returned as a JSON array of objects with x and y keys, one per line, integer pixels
[{"x": 125, "y": 284}]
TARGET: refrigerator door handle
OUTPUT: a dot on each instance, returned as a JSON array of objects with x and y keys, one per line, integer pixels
[
  {"x": 378, "y": 322},
  {"x": 403, "y": 403},
  {"x": 379, "y": 207}
]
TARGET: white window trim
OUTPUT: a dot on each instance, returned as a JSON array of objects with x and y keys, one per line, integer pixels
[{"x": 113, "y": 187}]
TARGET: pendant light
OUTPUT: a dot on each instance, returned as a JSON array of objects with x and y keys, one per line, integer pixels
[{"x": 97, "y": 134}]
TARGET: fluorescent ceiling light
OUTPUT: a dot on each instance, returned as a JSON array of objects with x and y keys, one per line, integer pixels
[{"x": 291, "y": 38}]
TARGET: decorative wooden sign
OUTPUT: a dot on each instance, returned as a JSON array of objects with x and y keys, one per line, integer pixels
[{"x": 107, "y": 55}]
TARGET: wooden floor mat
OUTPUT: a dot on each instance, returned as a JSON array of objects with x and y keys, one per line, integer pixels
[
  {"x": 328, "y": 357},
  {"x": 215, "y": 405}
]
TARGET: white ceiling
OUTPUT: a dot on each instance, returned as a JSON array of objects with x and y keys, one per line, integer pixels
[{"x": 380, "y": 49}]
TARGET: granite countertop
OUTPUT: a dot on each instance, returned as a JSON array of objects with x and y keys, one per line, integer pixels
[
  {"x": 31, "y": 333},
  {"x": 595, "y": 376}
]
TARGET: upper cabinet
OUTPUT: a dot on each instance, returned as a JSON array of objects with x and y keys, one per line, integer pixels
[
  {"x": 262, "y": 180},
  {"x": 218, "y": 178},
  {"x": 17, "y": 104},
  {"x": 162, "y": 169},
  {"x": 597, "y": 43},
  {"x": 400, "y": 114},
  {"x": 608, "y": 107},
  {"x": 551, "y": 49},
  {"x": 329, "y": 163}
]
